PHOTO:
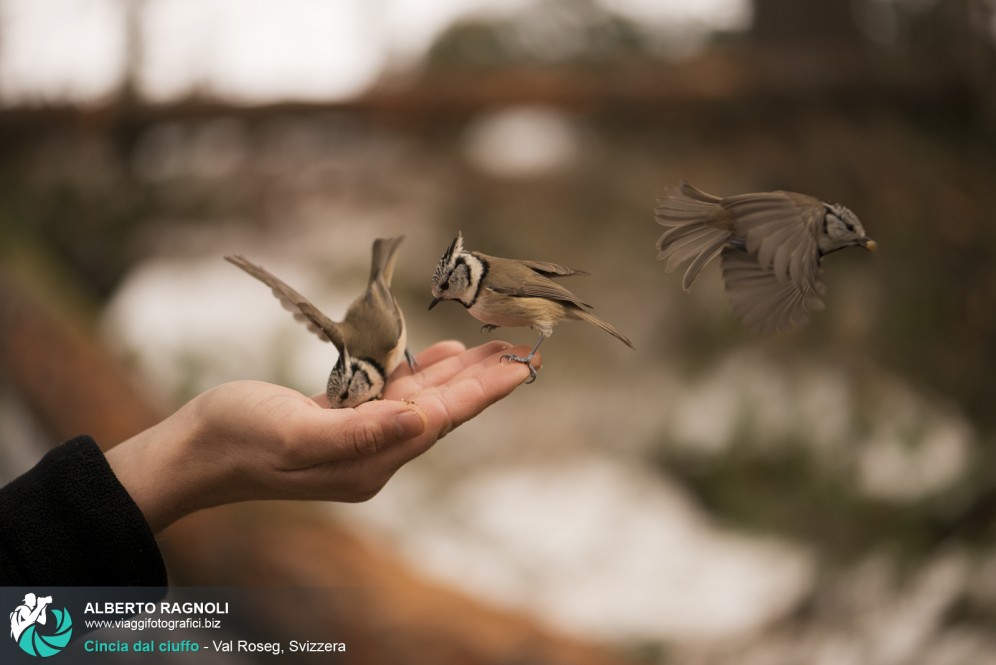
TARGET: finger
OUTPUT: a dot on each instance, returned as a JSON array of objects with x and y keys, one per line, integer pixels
[
  {"x": 473, "y": 390},
  {"x": 467, "y": 394},
  {"x": 434, "y": 354},
  {"x": 478, "y": 378},
  {"x": 440, "y": 408},
  {"x": 441, "y": 372}
]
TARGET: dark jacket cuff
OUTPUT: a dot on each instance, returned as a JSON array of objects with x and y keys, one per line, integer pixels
[{"x": 70, "y": 522}]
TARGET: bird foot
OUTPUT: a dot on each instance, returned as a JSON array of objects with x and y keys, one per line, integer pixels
[
  {"x": 412, "y": 363},
  {"x": 488, "y": 327},
  {"x": 527, "y": 361}
]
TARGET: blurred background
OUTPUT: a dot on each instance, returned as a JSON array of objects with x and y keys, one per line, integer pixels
[{"x": 713, "y": 497}]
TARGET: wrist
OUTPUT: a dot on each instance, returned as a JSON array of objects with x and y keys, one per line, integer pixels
[{"x": 153, "y": 466}]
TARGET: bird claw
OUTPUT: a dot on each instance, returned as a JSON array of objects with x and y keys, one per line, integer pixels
[
  {"x": 527, "y": 361},
  {"x": 488, "y": 327},
  {"x": 412, "y": 363}
]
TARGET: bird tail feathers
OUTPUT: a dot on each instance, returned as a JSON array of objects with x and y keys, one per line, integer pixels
[
  {"x": 698, "y": 229},
  {"x": 385, "y": 254},
  {"x": 607, "y": 327}
]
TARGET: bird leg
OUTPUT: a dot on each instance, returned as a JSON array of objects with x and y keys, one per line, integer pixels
[
  {"x": 528, "y": 360},
  {"x": 412, "y": 365}
]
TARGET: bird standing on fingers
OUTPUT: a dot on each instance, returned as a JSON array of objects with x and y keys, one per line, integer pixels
[
  {"x": 771, "y": 246},
  {"x": 371, "y": 339},
  {"x": 511, "y": 292}
]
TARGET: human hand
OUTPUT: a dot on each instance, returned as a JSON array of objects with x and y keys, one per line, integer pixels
[{"x": 252, "y": 440}]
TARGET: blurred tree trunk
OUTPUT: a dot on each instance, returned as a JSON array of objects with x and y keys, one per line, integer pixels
[
  {"x": 130, "y": 91},
  {"x": 962, "y": 32}
]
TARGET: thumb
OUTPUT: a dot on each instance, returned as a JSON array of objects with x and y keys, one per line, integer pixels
[{"x": 326, "y": 435}]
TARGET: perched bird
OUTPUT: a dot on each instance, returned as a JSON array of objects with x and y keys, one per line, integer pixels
[
  {"x": 371, "y": 339},
  {"x": 510, "y": 292},
  {"x": 771, "y": 246}
]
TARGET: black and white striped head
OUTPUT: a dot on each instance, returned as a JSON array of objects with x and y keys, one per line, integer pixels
[
  {"x": 457, "y": 276},
  {"x": 354, "y": 381},
  {"x": 841, "y": 228}
]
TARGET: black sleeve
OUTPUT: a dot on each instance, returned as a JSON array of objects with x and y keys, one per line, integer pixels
[{"x": 70, "y": 522}]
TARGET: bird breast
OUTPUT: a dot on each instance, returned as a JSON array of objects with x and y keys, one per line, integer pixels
[
  {"x": 397, "y": 354},
  {"x": 510, "y": 312}
]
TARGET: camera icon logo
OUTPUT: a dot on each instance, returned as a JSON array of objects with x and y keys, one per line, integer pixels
[{"x": 34, "y": 633}]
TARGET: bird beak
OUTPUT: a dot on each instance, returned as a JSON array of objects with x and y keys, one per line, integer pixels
[
  {"x": 869, "y": 244},
  {"x": 435, "y": 301}
]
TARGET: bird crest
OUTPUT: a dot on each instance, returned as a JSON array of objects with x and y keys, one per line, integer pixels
[{"x": 448, "y": 259}]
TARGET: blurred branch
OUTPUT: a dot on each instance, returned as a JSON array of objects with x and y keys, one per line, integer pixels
[
  {"x": 71, "y": 383},
  {"x": 744, "y": 80}
]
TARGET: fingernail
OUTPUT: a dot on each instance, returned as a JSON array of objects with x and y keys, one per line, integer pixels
[{"x": 408, "y": 424}]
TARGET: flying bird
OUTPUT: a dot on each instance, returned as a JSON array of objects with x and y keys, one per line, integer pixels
[{"x": 771, "y": 247}]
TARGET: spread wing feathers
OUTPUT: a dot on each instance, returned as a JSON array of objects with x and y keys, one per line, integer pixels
[
  {"x": 294, "y": 302},
  {"x": 604, "y": 325},
  {"x": 781, "y": 229},
  {"x": 385, "y": 254},
  {"x": 698, "y": 229},
  {"x": 765, "y": 303}
]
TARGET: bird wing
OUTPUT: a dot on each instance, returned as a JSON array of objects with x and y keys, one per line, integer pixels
[
  {"x": 523, "y": 279},
  {"x": 781, "y": 229},
  {"x": 762, "y": 300},
  {"x": 551, "y": 269},
  {"x": 373, "y": 323},
  {"x": 294, "y": 302}
]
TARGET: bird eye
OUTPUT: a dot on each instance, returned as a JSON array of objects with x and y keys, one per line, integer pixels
[{"x": 445, "y": 286}]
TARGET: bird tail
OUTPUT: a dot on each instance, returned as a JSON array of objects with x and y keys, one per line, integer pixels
[
  {"x": 385, "y": 253},
  {"x": 698, "y": 229},
  {"x": 588, "y": 317}
]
